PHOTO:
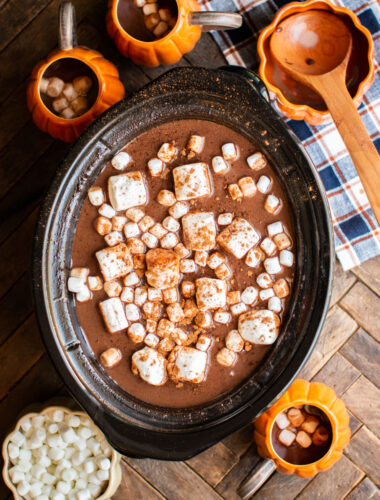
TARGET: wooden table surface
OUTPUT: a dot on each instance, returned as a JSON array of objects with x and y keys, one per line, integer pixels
[{"x": 347, "y": 355}]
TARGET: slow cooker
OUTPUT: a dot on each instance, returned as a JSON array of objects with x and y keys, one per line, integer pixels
[{"x": 234, "y": 97}]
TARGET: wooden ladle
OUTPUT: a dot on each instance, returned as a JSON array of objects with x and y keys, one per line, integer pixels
[{"x": 314, "y": 48}]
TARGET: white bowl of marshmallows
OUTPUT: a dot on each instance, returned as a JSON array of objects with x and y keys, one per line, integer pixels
[{"x": 59, "y": 454}]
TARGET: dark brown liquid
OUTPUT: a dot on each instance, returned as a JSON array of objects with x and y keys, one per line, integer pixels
[
  {"x": 87, "y": 242},
  {"x": 296, "y": 454},
  {"x": 67, "y": 69},
  {"x": 131, "y": 18}
]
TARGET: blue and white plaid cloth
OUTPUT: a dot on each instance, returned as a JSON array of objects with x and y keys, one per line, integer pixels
[{"x": 357, "y": 234}]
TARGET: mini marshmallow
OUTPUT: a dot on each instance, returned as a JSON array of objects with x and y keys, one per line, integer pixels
[
  {"x": 136, "y": 333},
  {"x": 151, "y": 340},
  {"x": 254, "y": 257},
  {"x": 69, "y": 92},
  {"x": 85, "y": 433},
  {"x": 156, "y": 167},
  {"x": 203, "y": 319},
  {"x": 58, "y": 416},
  {"x": 190, "y": 309},
  {"x": 233, "y": 297},
  {"x": 151, "y": 326},
  {"x": 158, "y": 231},
  {"x": 225, "y": 357},
  {"x": 112, "y": 288},
  {"x": 234, "y": 341},
  {"x": 94, "y": 283},
  {"x": 171, "y": 295},
  {"x": 225, "y": 219},
  {"x": 272, "y": 265},
  {"x": 113, "y": 314},
  {"x": 161, "y": 28},
  {"x": 165, "y": 346},
  {"x": 203, "y": 342},
  {"x": 230, "y": 151},
  {"x": 23, "y": 488},
  {"x": 136, "y": 246},
  {"x": 107, "y": 211},
  {"x": 113, "y": 238},
  {"x": 247, "y": 186},
  {"x": 79, "y": 105},
  {"x": 131, "y": 229},
  {"x": 223, "y": 272},
  {"x": 200, "y": 258},
  {"x": 134, "y": 214},
  {"x": 256, "y": 161},
  {"x": 44, "y": 82},
  {"x": 165, "y": 15},
  {"x": 75, "y": 285},
  {"x": 249, "y": 295},
  {"x": 263, "y": 184},
  {"x": 281, "y": 288},
  {"x": 275, "y": 228},
  {"x": 259, "y": 327},
  {"x": 121, "y": 160},
  {"x": 282, "y": 241},
  {"x": 13, "y": 451},
  {"x": 154, "y": 295},
  {"x": 150, "y": 365},
  {"x": 60, "y": 104},
  {"x": 103, "y": 475},
  {"x": 286, "y": 437},
  {"x": 96, "y": 196},
  {"x": 275, "y": 305},
  {"x": 196, "y": 142},
  {"x": 286, "y": 258},
  {"x": 235, "y": 192},
  {"x": 84, "y": 295},
  {"x": 199, "y": 230},
  {"x": 268, "y": 246},
  {"x": 167, "y": 152},
  {"x": 266, "y": 294},
  {"x": 141, "y": 295},
  {"x": 63, "y": 487},
  {"x": 82, "y": 84},
  {"x": 127, "y": 190},
  {"x": 282, "y": 420},
  {"x": 26, "y": 424},
  {"x": 114, "y": 262},
  {"x": 295, "y": 416},
  {"x": 102, "y": 225},
  {"x": 272, "y": 204},
  {"x": 150, "y": 240},
  {"x": 310, "y": 424},
  {"x": 132, "y": 312},
  {"x": 238, "y": 309},
  {"x": 264, "y": 280},
  {"x": 47, "y": 478},
  {"x": 238, "y": 237},
  {"x": 127, "y": 294},
  {"x": 219, "y": 165},
  {"x": 68, "y": 113},
  {"x": 191, "y": 181},
  {"x": 166, "y": 198},
  {"x": 111, "y": 357},
  {"x": 55, "y": 87},
  {"x": 16, "y": 475},
  {"x": 165, "y": 328},
  {"x": 178, "y": 210},
  {"x": 146, "y": 223},
  {"x": 181, "y": 251},
  {"x": 170, "y": 240},
  {"x": 104, "y": 463},
  {"x": 303, "y": 439},
  {"x": 186, "y": 364},
  {"x": 132, "y": 279},
  {"x": 171, "y": 224},
  {"x": 320, "y": 436},
  {"x": 175, "y": 312},
  {"x": 139, "y": 262},
  {"x": 17, "y": 438},
  {"x": 187, "y": 266},
  {"x": 222, "y": 317},
  {"x": 211, "y": 293},
  {"x": 179, "y": 337}
]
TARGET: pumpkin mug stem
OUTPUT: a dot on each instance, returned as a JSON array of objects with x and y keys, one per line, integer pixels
[
  {"x": 67, "y": 26},
  {"x": 256, "y": 478},
  {"x": 216, "y": 20}
]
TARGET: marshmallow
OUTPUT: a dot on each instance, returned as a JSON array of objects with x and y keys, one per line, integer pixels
[
  {"x": 114, "y": 262},
  {"x": 256, "y": 161},
  {"x": 154, "y": 294},
  {"x": 17, "y": 438},
  {"x": 282, "y": 241},
  {"x": 272, "y": 204},
  {"x": 60, "y": 104},
  {"x": 275, "y": 305},
  {"x": 96, "y": 196},
  {"x": 286, "y": 258},
  {"x": 179, "y": 336},
  {"x": 171, "y": 224},
  {"x": 190, "y": 309},
  {"x": 282, "y": 421},
  {"x": 233, "y": 297},
  {"x": 268, "y": 246},
  {"x": 102, "y": 225},
  {"x": 170, "y": 240},
  {"x": 79, "y": 105},
  {"x": 136, "y": 332},
  {"x": 238, "y": 237},
  {"x": 44, "y": 83},
  {"x": 219, "y": 165},
  {"x": 295, "y": 416},
  {"x": 156, "y": 167},
  {"x": 254, "y": 257},
  {"x": 127, "y": 190},
  {"x": 141, "y": 295},
  {"x": 238, "y": 309},
  {"x": 225, "y": 357},
  {"x": 303, "y": 439},
  {"x": 286, "y": 437},
  {"x": 166, "y": 198},
  {"x": 113, "y": 315},
  {"x": 121, "y": 160},
  {"x": 111, "y": 357},
  {"x": 175, "y": 312},
  {"x": 165, "y": 345},
  {"x": 150, "y": 365},
  {"x": 69, "y": 92},
  {"x": 200, "y": 258},
  {"x": 274, "y": 228},
  {"x": 158, "y": 230},
  {"x": 222, "y": 317},
  {"x": 162, "y": 268},
  {"x": 139, "y": 262},
  {"x": 150, "y": 8},
  {"x": 151, "y": 340},
  {"x": 113, "y": 238},
  {"x": 131, "y": 229},
  {"x": 136, "y": 246},
  {"x": 264, "y": 184},
  {"x": 152, "y": 310},
  {"x": 167, "y": 152},
  {"x": 223, "y": 272},
  {"x": 310, "y": 424},
  {"x": 186, "y": 364},
  {"x": 225, "y": 219},
  {"x": 234, "y": 341},
  {"x": 55, "y": 87},
  {"x": 235, "y": 192},
  {"x": 196, "y": 142},
  {"x": 165, "y": 15},
  {"x": 58, "y": 416},
  {"x": 272, "y": 265},
  {"x": 151, "y": 326},
  {"x": 249, "y": 295},
  {"x": 146, "y": 223},
  {"x": 165, "y": 328},
  {"x": 112, "y": 288},
  {"x": 134, "y": 214},
  {"x": 191, "y": 181},
  {"x": 132, "y": 279},
  {"x": 75, "y": 285},
  {"x": 203, "y": 342},
  {"x": 230, "y": 151},
  {"x": 171, "y": 295},
  {"x": 199, "y": 230},
  {"x": 259, "y": 327},
  {"x": 82, "y": 84},
  {"x": 84, "y": 295},
  {"x": 187, "y": 266},
  {"x": 132, "y": 312},
  {"x": 203, "y": 319},
  {"x": 13, "y": 451},
  {"x": 266, "y": 294},
  {"x": 23, "y": 488},
  {"x": 150, "y": 240},
  {"x": 264, "y": 280},
  {"x": 320, "y": 436},
  {"x": 210, "y": 293},
  {"x": 68, "y": 113},
  {"x": 181, "y": 251},
  {"x": 178, "y": 210},
  {"x": 127, "y": 294},
  {"x": 247, "y": 186}
]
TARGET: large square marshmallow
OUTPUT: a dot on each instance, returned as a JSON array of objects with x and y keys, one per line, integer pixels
[
  {"x": 210, "y": 293},
  {"x": 127, "y": 190},
  {"x": 150, "y": 365},
  {"x": 115, "y": 261},
  {"x": 259, "y": 326},
  {"x": 191, "y": 181},
  {"x": 186, "y": 364},
  {"x": 199, "y": 230},
  {"x": 238, "y": 238},
  {"x": 113, "y": 314}
]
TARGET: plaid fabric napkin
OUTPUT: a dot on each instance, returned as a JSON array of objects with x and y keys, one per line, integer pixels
[{"x": 357, "y": 234}]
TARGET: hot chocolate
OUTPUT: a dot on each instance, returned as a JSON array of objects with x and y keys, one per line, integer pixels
[{"x": 183, "y": 261}]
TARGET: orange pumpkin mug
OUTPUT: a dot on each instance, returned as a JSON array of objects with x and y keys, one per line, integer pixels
[
  {"x": 73, "y": 85},
  {"x": 184, "y": 24},
  {"x": 303, "y": 433}
]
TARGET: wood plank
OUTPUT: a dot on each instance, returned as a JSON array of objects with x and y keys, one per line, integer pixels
[
  {"x": 339, "y": 327},
  {"x": 364, "y": 306},
  {"x": 206, "y": 53},
  {"x": 228, "y": 487},
  {"x": 338, "y": 365},
  {"x": 282, "y": 487},
  {"x": 240, "y": 441},
  {"x": 134, "y": 487},
  {"x": 19, "y": 353},
  {"x": 369, "y": 273},
  {"x": 364, "y": 450},
  {"x": 334, "y": 483},
  {"x": 343, "y": 281},
  {"x": 15, "y": 307},
  {"x": 364, "y": 353},
  {"x": 365, "y": 490},
  {"x": 355, "y": 424},
  {"x": 213, "y": 464},
  {"x": 175, "y": 480},
  {"x": 363, "y": 400}
]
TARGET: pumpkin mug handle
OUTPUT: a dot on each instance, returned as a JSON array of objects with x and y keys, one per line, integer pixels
[
  {"x": 216, "y": 20},
  {"x": 256, "y": 478},
  {"x": 67, "y": 26}
]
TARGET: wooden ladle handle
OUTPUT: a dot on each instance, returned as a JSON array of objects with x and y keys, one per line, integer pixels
[{"x": 366, "y": 159}]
